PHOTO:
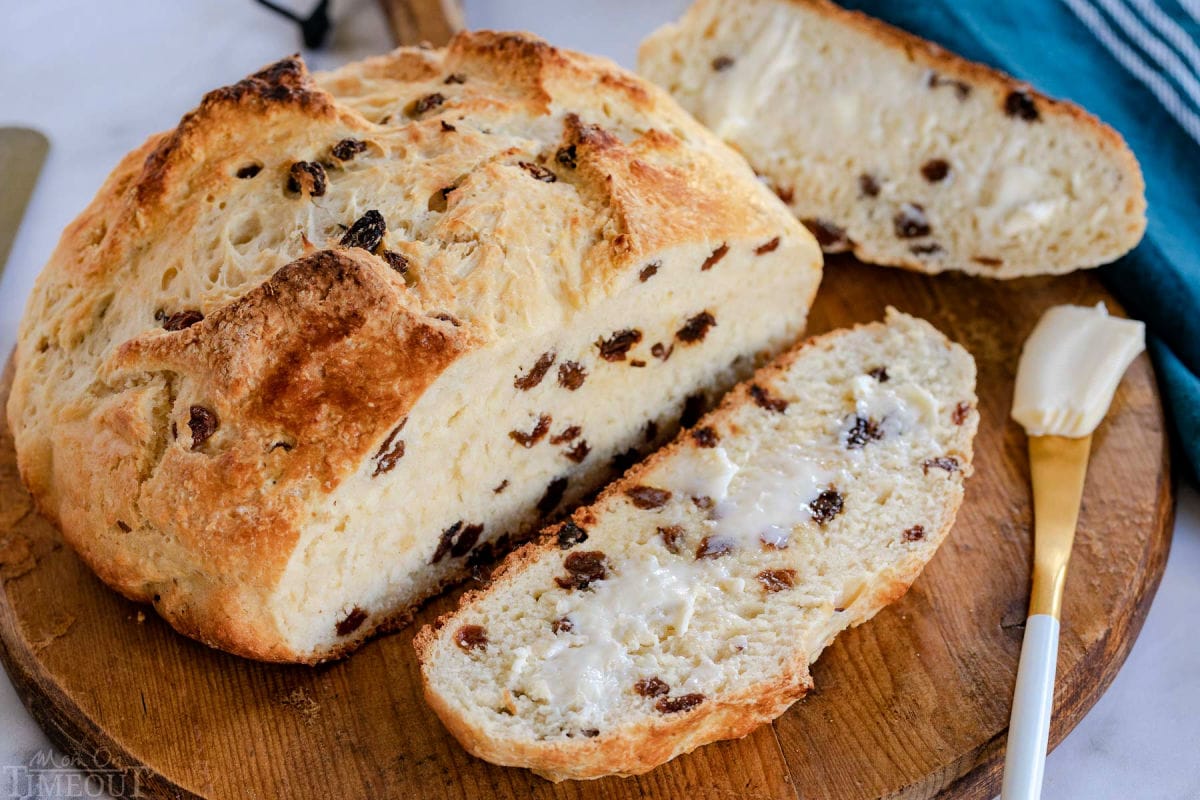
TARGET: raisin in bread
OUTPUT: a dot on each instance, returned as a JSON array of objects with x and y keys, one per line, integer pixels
[
  {"x": 686, "y": 604},
  {"x": 887, "y": 145},
  {"x": 308, "y": 356}
]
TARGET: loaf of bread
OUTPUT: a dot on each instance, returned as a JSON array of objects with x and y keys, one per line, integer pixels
[
  {"x": 333, "y": 340},
  {"x": 888, "y": 146},
  {"x": 687, "y": 603}
]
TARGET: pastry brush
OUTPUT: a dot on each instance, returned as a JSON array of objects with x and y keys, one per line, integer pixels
[{"x": 1069, "y": 370}]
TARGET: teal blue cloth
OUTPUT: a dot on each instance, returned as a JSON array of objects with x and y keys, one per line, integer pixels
[{"x": 1042, "y": 42}]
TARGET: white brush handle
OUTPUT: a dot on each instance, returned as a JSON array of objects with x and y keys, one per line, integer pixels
[{"x": 1029, "y": 726}]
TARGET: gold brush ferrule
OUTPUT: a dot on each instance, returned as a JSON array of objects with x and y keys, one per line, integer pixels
[{"x": 1058, "y": 467}]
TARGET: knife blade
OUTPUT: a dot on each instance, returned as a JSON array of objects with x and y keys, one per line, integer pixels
[{"x": 22, "y": 153}]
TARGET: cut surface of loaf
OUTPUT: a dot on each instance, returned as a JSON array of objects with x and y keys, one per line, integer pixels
[
  {"x": 889, "y": 146},
  {"x": 312, "y": 354},
  {"x": 687, "y": 603}
]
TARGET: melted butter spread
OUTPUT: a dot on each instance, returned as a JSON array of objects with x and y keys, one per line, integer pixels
[{"x": 1070, "y": 368}]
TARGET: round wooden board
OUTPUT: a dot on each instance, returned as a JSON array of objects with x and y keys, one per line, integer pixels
[{"x": 913, "y": 704}]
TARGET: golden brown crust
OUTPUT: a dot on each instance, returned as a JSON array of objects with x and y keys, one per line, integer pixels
[{"x": 310, "y": 354}]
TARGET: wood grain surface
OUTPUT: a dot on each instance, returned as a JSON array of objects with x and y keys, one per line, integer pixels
[
  {"x": 416, "y": 21},
  {"x": 913, "y": 704}
]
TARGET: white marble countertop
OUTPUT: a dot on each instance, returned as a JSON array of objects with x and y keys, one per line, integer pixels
[{"x": 97, "y": 78}]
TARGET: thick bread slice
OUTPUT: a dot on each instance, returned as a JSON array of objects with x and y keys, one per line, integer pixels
[
  {"x": 311, "y": 354},
  {"x": 887, "y": 145},
  {"x": 686, "y": 604}
]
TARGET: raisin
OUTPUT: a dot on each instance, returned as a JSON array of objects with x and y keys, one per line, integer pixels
[
  {"x": 500, "y": 487},
  {"x": 948, "y": 463},
  {"x": 763, "y": 399},
  {"x": 427, "y": 103},
  {"x": 862, "y": 431},
  {"x": 715, "y": 257},
  {"x": 880, "y": 374},
  {"x": 562, "y": 625},
  {"x": 583, "y": 568},
  {"x": 685, "y": 702},
  {"x": 389, "y": 452},
  {"x": 536, "y": 372},
  {"x": 910, "y": 221},
  {"x": 637, "y": 362},
  {"x": 768, "y": 247},
  {"x": 988, "y": 261},
  {"x": 704, "y": 503},
  {"x": 366, "y": 232},
  {"x": 307, "y": 177},
  {"x": 776, "y": 580},
  {"x": 722, "y": 63},
  {"x": 705, "y": 437},
  {"x": 203, "y": 423},
  {"x": 571, "y": 375},
  {"x": 696, "y": 328},
  {"x": 589, "y": 733},
  {"x": 396, "y": 262},
  {"x": 672, "y": 537},
  {"x": 569, "y": 535},
  {"x": 439, "y": 200},
  {"x": 567, "y": 435},
  {"x": 480, "y": 557},
  {"x": 446, "y": 542},
  {"x": 579, "y": 452},
  {"x": 466, "y": 540},
  {"x": 352, "y": 622},
  {"x": 447, "y": 127},
  {"x": 652, "y": 687},
  {"x": 925, "y": 249},
  {"x": 539, "y": 431},
  {"x": 538, "y": 172},
  {"x": 935, "y": 170},
  {"x": 347, "y": 149},
  {"x": 648, "y": 271},
  {"x": 182, "y": 319},
  {"x": 615, "y": 347},
  {"x": 552, "y": 496},
  {"x": 647, "y": 497},
  {"x": 124, "y": 526},
  {"x": 661, "y": 352},
  {"x": 959, "y": 415},
  {"x": 714, "y": 547},
  {"x": 868, "y": 185},
  {"x": 694, "y": 406},
  {"x": 961, "y": 88},
  {"x": 784, "y": 193},
  {"x": 827, "y": 506},
  {"x": 567, "y": 156},
  {"x": 471, "y": 637},
  {"x": 1019, "y": 103},
  {"x": 455, "y": 77},
  {"x": 827, "y": 234},
  {"x": 914, "y": 534},
  {"x": 248, "y": 171}
]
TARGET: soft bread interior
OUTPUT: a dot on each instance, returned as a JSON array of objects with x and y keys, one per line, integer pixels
[
  {"x": 887, "y": 146},
  {"x": 727, "y": 562}
]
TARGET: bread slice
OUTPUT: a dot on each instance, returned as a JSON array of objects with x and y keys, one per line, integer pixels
[
  {"x": 309, "y": 356},
  {"x": 886, "y": 145},
  {"x": 686, "y": 604}
]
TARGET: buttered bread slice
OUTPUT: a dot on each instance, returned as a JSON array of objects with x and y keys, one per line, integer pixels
[
  {"x": 685, "y": 605},
  {"x": 886, "y": 145},
  {"x": 314, "y": 353}
]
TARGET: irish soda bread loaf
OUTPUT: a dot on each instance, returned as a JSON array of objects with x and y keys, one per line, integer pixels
[
  {"x": 887, "y": 145},
  {"x": 686, "y": 604},
  {"x": 309, "y": 355}
]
